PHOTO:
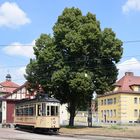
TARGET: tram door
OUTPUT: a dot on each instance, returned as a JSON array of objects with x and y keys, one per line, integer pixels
[
  {"x": 41, "y": 109},
  {"x": 40, "y": 120}
]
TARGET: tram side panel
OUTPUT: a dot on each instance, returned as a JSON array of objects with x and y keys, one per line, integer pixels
[
  {"x": 25, "y": 115},
  {"x": 39, "y": 115}
]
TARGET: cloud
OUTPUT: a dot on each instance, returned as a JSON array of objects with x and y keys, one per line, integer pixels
[
  {"x": 12, "y": 16},
  {"x": 19, "y": 72},
  {"x": 131, "y": 5},
  {"x": 131, "y": 65},
  {"x": 19, "y": 49}
]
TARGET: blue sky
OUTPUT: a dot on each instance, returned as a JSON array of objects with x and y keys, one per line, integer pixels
[{"x": 22, "y": 21}]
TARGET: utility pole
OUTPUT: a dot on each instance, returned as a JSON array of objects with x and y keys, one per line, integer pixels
[
  {"x": 90, "y": 109},
  {"x": 89, "y": 115}
]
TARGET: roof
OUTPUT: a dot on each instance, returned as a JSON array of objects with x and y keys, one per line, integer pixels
[
  {"x": 39, "y": 98},
  {"x": 125, "y": 83},
  {"x": 5, "y": 99},
  {"x": 118, "y": 92},
  {"x": 20, "y": 87},
  {"x": 9, "y": 86}
]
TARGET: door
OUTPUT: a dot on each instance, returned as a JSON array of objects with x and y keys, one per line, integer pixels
[
  {"x": 0, "y": 112},
  {"x": 10, "y": 112}
]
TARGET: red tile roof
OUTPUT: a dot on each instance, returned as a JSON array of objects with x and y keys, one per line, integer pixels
[
  {"x": 9, "y": 86},
  {"x": 127, "y": 81}
]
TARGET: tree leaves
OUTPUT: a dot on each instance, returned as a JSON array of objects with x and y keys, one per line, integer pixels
[{"x": 78, "y": 59}]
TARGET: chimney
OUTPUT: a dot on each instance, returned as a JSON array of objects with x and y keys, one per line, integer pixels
[{"x": 129, "y": 74}]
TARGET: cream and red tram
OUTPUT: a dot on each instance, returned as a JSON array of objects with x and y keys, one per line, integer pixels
[{"x": 41, "y": 113}]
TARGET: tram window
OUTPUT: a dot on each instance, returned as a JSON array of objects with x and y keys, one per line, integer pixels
[
  {"x": 52, "y": 110},
  {"x": 26, "y": 111},
  {"x": 31, "y": 111},
  {"x": 48, "y": 110},
  {"x": 34, "y": 110},
  {"x": 43, "y": 109},
  {"x": 17, "y": 112},
  {"x": 21, "y": 111},
  {"x": 39, "y": 110},
  {"x": 56, "y": 111}
]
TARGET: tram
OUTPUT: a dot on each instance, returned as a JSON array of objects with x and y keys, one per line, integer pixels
[{"x": 40, "y": 113}]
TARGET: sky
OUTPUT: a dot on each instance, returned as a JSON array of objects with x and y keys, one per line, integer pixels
[{"x": 22, "y": 22}]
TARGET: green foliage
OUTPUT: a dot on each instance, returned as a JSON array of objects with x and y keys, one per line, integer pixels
[
  {"x": 117, "y": 127},
  {"x": 80, "y": 58}
]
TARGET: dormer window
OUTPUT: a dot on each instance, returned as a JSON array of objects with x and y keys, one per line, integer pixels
[
  {"x": 135, "y": 88},
  {"x": 139, "y": 88},
  {"x": 116, "y": 88}
]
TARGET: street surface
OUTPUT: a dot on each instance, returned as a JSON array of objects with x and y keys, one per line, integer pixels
[{"x": 11, "y": 134}]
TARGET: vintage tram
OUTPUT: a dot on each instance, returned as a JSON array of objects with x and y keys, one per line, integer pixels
[{"x": 40, "y": 113}]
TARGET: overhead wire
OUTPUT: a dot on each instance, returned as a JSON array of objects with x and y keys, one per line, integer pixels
[
  {"x": 14, "y": 66},
  {"x": 127, "y": 41}
]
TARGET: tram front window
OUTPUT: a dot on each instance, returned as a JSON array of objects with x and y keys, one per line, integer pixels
[
  {"x": 48, "y": 110},
  {"x": 52, "y": 110},
  {"x": 56, "y": 110}
]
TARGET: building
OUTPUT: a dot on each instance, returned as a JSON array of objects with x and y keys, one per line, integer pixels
[
  {"x": 7, "y": 105},
  {"x": 7, "y": 86},
  {"x": 8, "y": 102},
  {"x": 21, "y": 92},
  {"x": 122, "y": 105}
]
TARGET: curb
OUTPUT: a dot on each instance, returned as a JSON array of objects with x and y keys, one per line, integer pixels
[{"x": 81, "y": 135}]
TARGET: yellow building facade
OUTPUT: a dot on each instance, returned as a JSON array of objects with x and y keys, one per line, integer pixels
[{"x": 122, "y": 105}]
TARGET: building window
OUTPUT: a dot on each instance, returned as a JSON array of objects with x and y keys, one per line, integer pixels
[
  {"x": 138, "y": 88},
  {"x": 111, "y": 113},
  {"x": 135, "y": 113},
  {"x": 135, "y": 100},
  {"x": 114, "y": 100},
  {"x": 108, "y": 113},
  {"x": 104, "y": 101},
  {"x": 102, "y": 113},
  {"x": 101, "y": 102},
  {"x": 109, "y": 101},
  {"x": 114, "y": 112}
]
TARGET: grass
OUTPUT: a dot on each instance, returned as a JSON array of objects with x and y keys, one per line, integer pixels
[
  {"x": 74, "y": 127},
  {"x": 117, "y": 127}
]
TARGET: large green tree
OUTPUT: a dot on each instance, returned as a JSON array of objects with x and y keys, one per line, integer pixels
[{"x": 78, "y": 59}]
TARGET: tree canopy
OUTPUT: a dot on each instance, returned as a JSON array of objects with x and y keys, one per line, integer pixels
[{"x": 76, "y": 60}]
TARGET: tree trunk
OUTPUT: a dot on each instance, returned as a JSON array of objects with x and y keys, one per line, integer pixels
[{"x": 72, "y": 114}]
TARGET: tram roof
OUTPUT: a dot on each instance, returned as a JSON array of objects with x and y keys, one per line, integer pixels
[{"x": 38, "y": 99}]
